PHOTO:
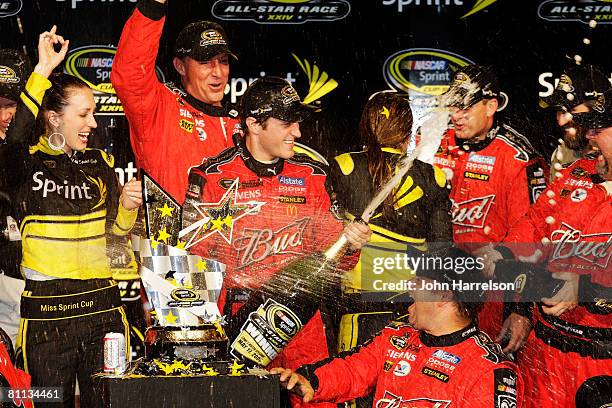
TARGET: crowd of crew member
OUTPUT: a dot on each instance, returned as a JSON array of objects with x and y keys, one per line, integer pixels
[{"x": 484, "y": 194}]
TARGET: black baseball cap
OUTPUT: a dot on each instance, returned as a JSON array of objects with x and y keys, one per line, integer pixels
[
  {"x": 600, "y": 114},
  {"x": 15, "y": 69},
  {"x": 465, "y": 279},
  {"x": 201, "y": 41},
  {"x": 273, "y": 97},
  {"x": 470, "y": 85},
  {"x": 578, "y": 84}
]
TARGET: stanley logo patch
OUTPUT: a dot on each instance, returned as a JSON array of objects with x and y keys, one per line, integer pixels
[
  {"x": 292, "y": 199},
  {"x": 476, "y": 176},
  {"x": 430, "y": 372}
]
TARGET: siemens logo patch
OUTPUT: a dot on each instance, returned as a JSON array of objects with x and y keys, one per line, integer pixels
[{"x": 292, "y": 181}]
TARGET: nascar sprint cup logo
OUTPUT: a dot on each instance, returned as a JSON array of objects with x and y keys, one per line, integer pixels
[
  {"x": 93, "y": 64},
  {"x": 281, "y": 11},
  {"x": 10, "y": 7},
  {"x": 571, "y": 10},
  {"x": 423, "y": 73}
]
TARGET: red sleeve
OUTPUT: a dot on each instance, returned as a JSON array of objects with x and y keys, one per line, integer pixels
[
  {"x": 328, "y": 225},
  {"x": 133, "y": 74},
  {"x": 525, "y": 235},
  {"x": 351, "y": 374},
  {"x": 501, "y": 387},
  {"x": 525, "y": 185}
]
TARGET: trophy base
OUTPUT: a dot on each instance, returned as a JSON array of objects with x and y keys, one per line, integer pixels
[{"x": 207, "y": 342}]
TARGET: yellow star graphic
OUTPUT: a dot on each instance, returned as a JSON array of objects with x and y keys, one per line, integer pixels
[
  {"x": 154, "y": 243},
  {"x": 236, "y": 369},
  {"x": 201, "y": 265},
  {"x": 165, "y": 210},
  {"x": 163, "y": 235},
  {"x": 217, "y": 224},
  {"x": 213, "y": 217},
  {"x": 170, "y": 317},
  {"x": 180, "y": 245}
]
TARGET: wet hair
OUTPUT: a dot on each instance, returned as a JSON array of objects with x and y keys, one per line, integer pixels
[
  {"x": 56, "y": 97},
  {"x": 469, "y": 310},
  {"x": 386, "y": 121}
]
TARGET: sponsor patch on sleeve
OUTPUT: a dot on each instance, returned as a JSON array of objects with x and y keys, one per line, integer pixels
[
  {"x": 536, "y": 180},
  {"x": 505, "y": 381}
]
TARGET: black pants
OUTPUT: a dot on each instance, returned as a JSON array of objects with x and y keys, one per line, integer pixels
[{"x": 55, "y": 352}]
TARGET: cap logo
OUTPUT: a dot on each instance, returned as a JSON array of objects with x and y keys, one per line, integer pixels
[
  {"x": 461, "y": 77},
  {"x": 599, "y": 105},
  {"x": 565, "y": 83},
  {"x": 8, "y": 76},
  {"x": 260, "y": 111},
  {"x": 211, "y": 37},
  {"x": 289, "y": 95}
]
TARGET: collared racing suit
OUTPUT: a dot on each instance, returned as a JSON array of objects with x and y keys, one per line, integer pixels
[
  {"x": 494, "y": 182},
  {"x": 275, "y": 213},
  {"x": 408, "y": 368},
  {"x": 170, "y": 130},
  {"x": 566, "y": 351}
]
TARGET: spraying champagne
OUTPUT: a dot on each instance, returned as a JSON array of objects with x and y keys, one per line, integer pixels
[{"x": 277, "y": 311}]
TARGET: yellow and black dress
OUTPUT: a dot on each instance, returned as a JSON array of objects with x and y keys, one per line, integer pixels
[
  {"x": 66, "y": 206},
  {"x": 420, "y": 218}
]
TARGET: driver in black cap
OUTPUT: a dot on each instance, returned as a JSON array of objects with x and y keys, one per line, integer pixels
[
  {"x": 495, "y": 175},
  {"x": 439, "y": 359},
  {"x": 578, "y": 91},
  {"x": 265, "y": 206},
  {"x": 173, "y": 127}
]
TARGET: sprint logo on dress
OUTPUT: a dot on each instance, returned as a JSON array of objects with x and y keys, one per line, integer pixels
[
  {"x": 446, "y": 356},
  {"x": 292, "y": 181},
  {"x": 186, "y": 125},
  {"x": 72, "y": 192}
]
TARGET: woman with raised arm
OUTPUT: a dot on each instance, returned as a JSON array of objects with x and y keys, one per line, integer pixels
[{"x": 68, "y": 201}]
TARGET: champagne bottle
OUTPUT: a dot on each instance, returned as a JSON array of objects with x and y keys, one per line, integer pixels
[{"x": 277, "y": 311}]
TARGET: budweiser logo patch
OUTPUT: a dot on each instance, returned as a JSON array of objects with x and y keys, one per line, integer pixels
[
  {"x": 596, "y": 249},
  {"x": 472, "y": 213},
  {"x": 390, "y": 400},
  {"x": 255, "y": 245}
]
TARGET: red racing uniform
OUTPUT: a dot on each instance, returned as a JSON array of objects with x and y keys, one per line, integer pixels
[
  {"x": 276, "y": 212},
  {"x": 569, "y": 349},
  {"x": 494, "y": 182},
  {"x": 170, "y": 130},
  {"x": 525, "y": 236},
  {"x": 410, "y": 369}
]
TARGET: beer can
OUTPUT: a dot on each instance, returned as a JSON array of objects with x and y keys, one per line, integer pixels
[{"x": 114, "y": 353}]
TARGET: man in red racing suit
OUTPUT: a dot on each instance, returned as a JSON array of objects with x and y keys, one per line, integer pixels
[
  {"x": 494, "y": 172},
  {"x": 266, "y": 206},
  {"x": 440, "y": 360},
  {"x": 173, "y": 128},
  {"x": 573, "y": 331}
]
